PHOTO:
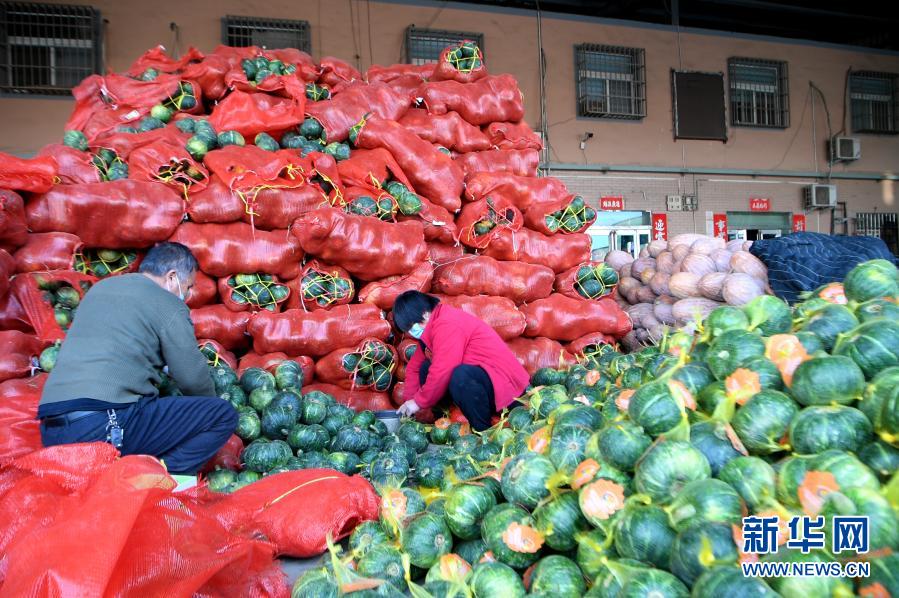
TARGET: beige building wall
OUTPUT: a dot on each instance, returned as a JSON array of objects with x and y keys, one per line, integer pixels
[{"x": 366, "y": 33}]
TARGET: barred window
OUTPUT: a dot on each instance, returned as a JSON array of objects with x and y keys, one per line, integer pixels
[
  {"x": 272, "y": 34},
  {"x": 47, "y": 49},
  {"x": 611, "y": 81},
  {"x": 875, "y": 102},
  {"x": 423, "y": 46},
  {"x": 759, "y": 93}
]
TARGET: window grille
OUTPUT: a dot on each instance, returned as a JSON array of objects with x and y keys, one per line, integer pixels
[
  {"x": 875, "y": 102},
  {"x": 423, "y": 46},
  {"x": 759, "y": 93},
  {"x": 47, "y": 49},
  {"x": 611, "y": 81},
  {"x": 272, "y": 34}
]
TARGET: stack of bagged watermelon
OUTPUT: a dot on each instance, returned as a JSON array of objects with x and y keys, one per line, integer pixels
[
  {"x": 312, "y": 195},
  {"x": 631, "y": 474}
]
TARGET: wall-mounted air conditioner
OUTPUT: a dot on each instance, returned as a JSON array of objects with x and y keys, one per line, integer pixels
[
  {"x": 845, "y": 149},
  {"x": 820, "y": 196}
]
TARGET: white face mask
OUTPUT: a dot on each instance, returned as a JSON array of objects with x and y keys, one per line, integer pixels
[
  {"x": 180, "y": 290},
  {"x": 416, "y": 331}
]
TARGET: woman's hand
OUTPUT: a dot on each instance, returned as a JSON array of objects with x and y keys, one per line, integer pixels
[{"x": 408, "y": 409}]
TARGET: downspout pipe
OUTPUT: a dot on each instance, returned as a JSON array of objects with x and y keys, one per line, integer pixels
[{"x": 691, "y": 170}]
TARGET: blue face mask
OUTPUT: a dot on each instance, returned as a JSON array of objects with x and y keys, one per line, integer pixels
[{"x": 416, "y": 331}]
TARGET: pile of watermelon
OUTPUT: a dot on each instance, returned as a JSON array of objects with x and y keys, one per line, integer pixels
[{"x": 630, "y": 474}]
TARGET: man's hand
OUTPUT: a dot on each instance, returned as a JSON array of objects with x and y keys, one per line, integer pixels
[{"x": 408, "y": 409}]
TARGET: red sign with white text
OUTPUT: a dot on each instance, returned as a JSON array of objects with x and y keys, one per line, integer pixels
[
  {"x": 719, "y": 225},
  {"x": 798, "y": 223},
  {"x": 612, "y": 203},
  {"x": 759, "y": 204},
  {"x": 660, "y": 227}
]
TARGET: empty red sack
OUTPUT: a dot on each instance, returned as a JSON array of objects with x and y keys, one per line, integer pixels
[
  {"x": 219, "y": 323},
  {"x": 536, "y": 353},
  {"x": 40, "y": 314},
  {"x": 477, "y": 274},
  {"x": 357, "y": 400},
  {"x": 449, "y": 130},
  {"x": 500, "y": 213},
  {"x": 204, "y": 291},
  {"x": 558, "y": 252},
  {"x": 518, "y": 162},
  {"x": 18, "y": 354},
  {"x": 270, "y": 362},
  {"x": 383, "y": 293},
  {"x": 13, "y": 230},
  {"x": 158, "y": 60},
  {"x": 318, "y": 332},
  {"x": 490, "y": 99},
  {"x": 20, "y": 431},
  {"x": 346, "y": 108},
  {"x": 335, "y": 71},
  {"x": 389, "y": 73},
  {"x": 238, "y": 248},
  {"x": 35, "y": 175},
  {"x": 123, "y": 214},
  {"x": 513, "y": 136},
  {"x": 366, "y": 247},
  {"x": 252, "y": 113},
  {"x": 497, "y": 312},
  {"x": 565, "y": 319},
  {"x": 521, "y": 191},
  {"x": 73, "y": 166}
]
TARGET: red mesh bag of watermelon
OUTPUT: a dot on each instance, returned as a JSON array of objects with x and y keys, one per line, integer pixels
[
  {"x": 12, "y": 315},
  {"x": 170, "y": 164},
  {"x": 462, "y": 62},
  {"x": 565, "y": 216},
  {"x": 252, "y": 113},
  {"x": 277, "y": 208},
  {"x": 105, "y": 262},
  {"x": 358, "y": 400},
  {"x": 386, "y": 74},
  {"x": 122, "y": 214},
  {"x": 7, "y": 269},
  {"x": 156, "y": 59},
  {"x": 341, "y": 113},
  {"x": 591, "y": 346},
  {"x": 335, "y": 71},
  {"x": 50, "y": 299},
  {"x": 517, "y": 162},
  {"x": 490, "y": 99},
  {"x": 204, "y": 291},
  {"x": 437, "y": 223},
  {"x": 444, "y": 253},
  {"x": 481, "y": 221},
  {"x": 369, "y": 366},
  {"x": 306, "y": 67},
  {"x": 559, "y": 252},
  {"x": 209, "y": 74},
  {"x": 20, "y": 431},
  {"x": 215, "y": 204},
  {"x": 565, "y": 319},
  {"x": 35, "y": 175},
  {"x": 481, "y": 275},
  {"x": 245, "y": 168},
  {"x": 123, "y": 144},
  {"x": 73, "y": 166},
  {"x": 46, "y": 251},
  {"x": 320, "y": 286},
  {"x": 171, "y": 89},
  {"x": 288, "y": 85},
  {"x": 521, "y": 191},
  {"x": 449, "y": 130},
  {"x": 383, "y": 293},
  {"x": 252, "y": 292},
  {"x": 433, "y": 174},
  {"x": 227, "y": 457},
  {"x": 497, "y": 312},
  {"x": 513, "y": 136},
  {"x": 227, "y": 249},
  {"x": 271, "y": 361},
  {"x": 18, "y": 354},
  {"x": 216, "y": 354},
  {"x": 13, "y": 230},
  {"x": 590, "y": 280},
  {"x": 219, "y": 323},
  {"x": 372, "y": 167},
  {"x": 316, "y": 333},
  {"x": 364, "y": 246},
  {"x": 537, "y": 353}
]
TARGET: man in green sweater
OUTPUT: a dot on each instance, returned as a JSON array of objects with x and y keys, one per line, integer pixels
[{"x": 103, "y": 388}]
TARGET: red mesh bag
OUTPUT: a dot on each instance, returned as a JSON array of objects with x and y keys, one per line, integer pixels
[
  {"x": 481, "y": 275},
  {"x": 383, "y": 293},
  {"x": 209, "y": 74},
  {"x": 245, "y": 168},
  {"x": 588, "y": 343},
  {"x": 215, "y": 204},
  {"x": 288, "y": 86},
  {"x": 231, "y": 297},
  {"x": 270, "y": 361},
  {"x": 278, "y": 208},
  {"x": 18, "y": 354},
  {"x": 434, "y": 174},
  {"x": 12, "y": 315},
  {"x": 215, "y": 353},
  {"x": 35, "y": 175},
  {"x": 483, "y": 220},
  {"x": 386, "y": 74},
  {"x": 444, "y": 253},
  {"x": 13, "y": 231},
  {"x": 400, "y": 373},
  {"x": 318, "y": 332},
  {"x": 335, "y": 71},
  {"x": 123, "y": 214},
  {"x": 346, "y": 108},
  {"x": 437, "y": 223},
  {"x": 167, "y": 163},
  {"x": 7, "y": 269},
  {"x": 358, "y": 400},
  {"x": 252, "y": 113},
  {"x": 364, "y": 246},
  {"x": 227, "y": 249},
  {"x": 219, "y": 323},
  {"x": 157, "y": 59},
  {"x": 73, "y": 166},
  {"x": 367, "y": 167},
  {"x": 558, "y": 252},
  {"x": 568, "y": 283},
  {"x": 497, "y": 312},
  {"x": 521, "y": 191},
  {"x": 20, "y": 431},
  {"x": 513, "y": 136},
  {"x": 329, "y": 368},
  {"x": 536, "y": 353},
  {"x": 311, "y": 294},
  {"x": 121, "y": 90},
  {"x": 204, "y": 292},
  {"x": 396, "y": 395},
  {"x": 565, "y": 319},
  {"x": 560, "y": 216},
  {"x": 123, "y": 144},
  {"x": 491, "y": 99},
  {"x": 406, "y": 349},
  {"x": 227, "y": 457},
  {"x": 407, "y": 86},
  {"x": 448, "y": 66},
  {"x": 28, "y": 292},
  {"x": 449, "y": 130},
  {"x": 518, "y": 162}
]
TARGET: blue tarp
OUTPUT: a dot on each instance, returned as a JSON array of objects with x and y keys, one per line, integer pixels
[{"x": 805, "y": 261}]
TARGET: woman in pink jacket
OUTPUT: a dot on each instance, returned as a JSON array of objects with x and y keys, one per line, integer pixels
[{"x": 460, "y": 356}]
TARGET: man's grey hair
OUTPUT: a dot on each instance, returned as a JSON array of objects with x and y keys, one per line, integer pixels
[{"x": 169, "y": 256}]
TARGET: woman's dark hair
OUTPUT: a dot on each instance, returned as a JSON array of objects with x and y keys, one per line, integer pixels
[
  {"x": 169, "y": 256},
  {"x": 410, "y": 308}
]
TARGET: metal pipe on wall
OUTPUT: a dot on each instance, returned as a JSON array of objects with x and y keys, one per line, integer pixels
[{"x": 694, "y": 170}]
